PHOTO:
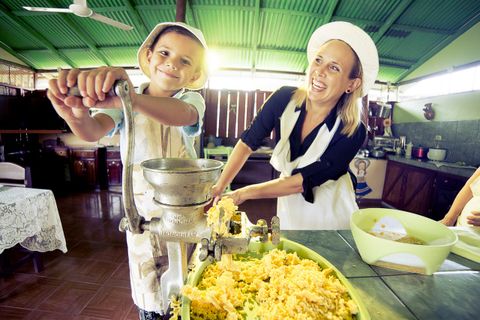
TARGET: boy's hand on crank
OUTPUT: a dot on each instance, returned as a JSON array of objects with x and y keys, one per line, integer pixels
[{"x": 69, "y": 108}]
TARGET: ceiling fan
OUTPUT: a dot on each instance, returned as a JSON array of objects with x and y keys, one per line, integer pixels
[{"x": 80, "y": 8}]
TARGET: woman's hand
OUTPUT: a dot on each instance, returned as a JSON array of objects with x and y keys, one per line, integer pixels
[
  {"x": 238, "y": 196},
  {"x": 474, "y": 218},
  {"x": 217, "y": 191}
]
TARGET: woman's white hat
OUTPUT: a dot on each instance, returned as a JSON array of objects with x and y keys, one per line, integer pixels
[
  {"x": 357, "y": 39},
  {"x": 142, "y": 51}
]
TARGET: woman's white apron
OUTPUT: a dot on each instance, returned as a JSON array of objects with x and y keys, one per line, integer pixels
[{"x": 334, "y": 200}]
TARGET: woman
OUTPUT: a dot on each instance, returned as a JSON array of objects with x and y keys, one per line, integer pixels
[
  {"x": 318, "y": 132},
  {"x": 465, "y": 209}
]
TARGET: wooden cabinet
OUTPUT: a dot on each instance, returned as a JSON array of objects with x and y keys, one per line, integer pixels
[
  {"x": 446, "y": 188},
  {"x": 408, "y": 188},
  {"x": 51, "y": 169},
  {"x": 423, "y": 191},
  {"x": 254, "y": 171},
  {"x": 88, "y": 168},
  {"x": 84, "y": 168},
  {"x": 114, "y": 168}
]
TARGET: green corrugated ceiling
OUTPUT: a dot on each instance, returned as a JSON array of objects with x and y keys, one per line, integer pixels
[{"x": 268, "y": 35}]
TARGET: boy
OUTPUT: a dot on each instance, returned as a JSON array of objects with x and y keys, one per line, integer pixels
[{"x": 166, "y": 120}]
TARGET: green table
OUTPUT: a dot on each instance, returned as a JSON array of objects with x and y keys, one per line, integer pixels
[{"x": 451, "y": 293}]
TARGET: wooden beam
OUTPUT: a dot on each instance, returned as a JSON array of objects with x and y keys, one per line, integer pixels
[
  {"x": 33, "y": 33},
  {"x": 180, "y": 11},
  {"x": 403, "y": 64},
  {"x": 256, "y": 30},
  {"x": 17, "y": 55},
  {"x": 399, "y": 10},
  {"x": 332, "y": 6},
  {"x": 394, "y": 26},
  {"x": 387, "y": 61},
  {"x": 442, "y": 44},
  {"x": 139, "y": 24}
]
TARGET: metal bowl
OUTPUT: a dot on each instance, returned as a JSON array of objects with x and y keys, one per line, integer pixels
[
  {"x": 181, "y": 182},
  {"x": 377, "y": 153}
]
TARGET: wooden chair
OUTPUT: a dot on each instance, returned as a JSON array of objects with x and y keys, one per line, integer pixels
[{"x": 12, "y": 174}]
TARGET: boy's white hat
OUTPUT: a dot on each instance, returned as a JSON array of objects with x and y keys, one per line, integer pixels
[
  {"x": 357, "y": 39},
  {"x": 142, "y": 51}
]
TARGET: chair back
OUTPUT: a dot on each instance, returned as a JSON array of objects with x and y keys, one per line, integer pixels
[{"x": 12, "y": 174}]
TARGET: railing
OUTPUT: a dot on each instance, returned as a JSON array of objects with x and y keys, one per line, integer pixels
[{"x": 229, "y": 112}]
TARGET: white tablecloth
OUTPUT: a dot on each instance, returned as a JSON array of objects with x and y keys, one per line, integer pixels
[{"x": 30, "y": 217}]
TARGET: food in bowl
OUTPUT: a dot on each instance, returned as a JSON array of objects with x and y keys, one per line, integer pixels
[
  {"x": 284, "y": 281},
  {"x": 398, "y": 237},
  {"x": 277, "y": 285}
]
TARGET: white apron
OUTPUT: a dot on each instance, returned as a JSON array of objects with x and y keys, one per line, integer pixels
[
  {"x": 472, "y": 205},
  {"x": 155, "y": 141},
  {"x": 334, "y": 200}
]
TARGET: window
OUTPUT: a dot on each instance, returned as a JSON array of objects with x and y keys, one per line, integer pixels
[
  {"x": 463, "y": 79},
  {"x": 16, "y": 76},
  {"x": 248, "y": 81}
]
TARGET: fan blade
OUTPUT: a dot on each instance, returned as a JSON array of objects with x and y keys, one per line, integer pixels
[
  {"x": 111, "y": 22},
  {"x": 40, "y": 9}
]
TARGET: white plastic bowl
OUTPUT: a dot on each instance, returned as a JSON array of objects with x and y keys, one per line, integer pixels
[
  {"x": 425, "y": 258},
  {"x": 435, "y": 154}
]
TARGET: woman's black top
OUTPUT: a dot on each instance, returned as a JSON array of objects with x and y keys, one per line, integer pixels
[{"x": 334, "y": 162}]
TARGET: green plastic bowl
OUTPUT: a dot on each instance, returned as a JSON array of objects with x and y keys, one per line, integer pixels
[
  {"x": 397, "y": 255},
  {"x": 256, "y": 249}
]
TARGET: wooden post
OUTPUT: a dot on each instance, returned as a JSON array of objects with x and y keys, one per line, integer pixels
[{"x": 180, "y": 10}]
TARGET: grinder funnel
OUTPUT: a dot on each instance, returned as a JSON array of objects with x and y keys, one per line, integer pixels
[{"x": 181, "y": 182}]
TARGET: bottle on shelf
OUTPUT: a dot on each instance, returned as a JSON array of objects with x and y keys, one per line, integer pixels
[
  {"x": 2, "y": 150},
  {"x": 408, "y": 150}
]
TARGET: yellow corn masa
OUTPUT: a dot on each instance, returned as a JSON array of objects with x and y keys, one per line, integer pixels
[
  {"x": 280, "y": 286},
  {"x": 220, "y": 214}
]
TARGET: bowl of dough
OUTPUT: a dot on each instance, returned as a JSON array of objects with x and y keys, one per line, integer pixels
[{"x": 401, "y": 240}]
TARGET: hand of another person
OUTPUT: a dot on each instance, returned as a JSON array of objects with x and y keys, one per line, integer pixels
[
  {"x": 474, "y": 218},
  {"x": 448, "y": 221}
]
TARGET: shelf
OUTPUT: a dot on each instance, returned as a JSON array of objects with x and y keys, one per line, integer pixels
[{"x": 33, "y": 131}]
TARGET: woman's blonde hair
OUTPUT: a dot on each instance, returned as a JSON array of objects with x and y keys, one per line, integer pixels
[{"x": 347, "y": 106}]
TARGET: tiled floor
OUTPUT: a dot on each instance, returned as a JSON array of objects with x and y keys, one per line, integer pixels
[{"x": 91, "y": 280}]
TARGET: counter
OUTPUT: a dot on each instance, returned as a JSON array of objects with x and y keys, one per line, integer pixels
[
  {"x": 450, "y": 293},
  {"x": 433, "y": 165}
]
